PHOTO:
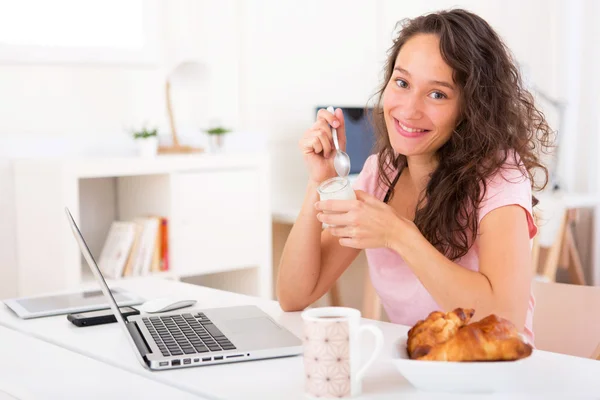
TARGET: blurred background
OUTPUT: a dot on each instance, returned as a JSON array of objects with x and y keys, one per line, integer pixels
[{"x": 78, "y": 80}]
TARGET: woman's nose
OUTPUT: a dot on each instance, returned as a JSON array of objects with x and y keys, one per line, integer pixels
[{"x": 412, "y": 107}]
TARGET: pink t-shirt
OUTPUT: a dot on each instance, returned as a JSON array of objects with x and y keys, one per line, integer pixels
[{"x": 404, "y": 298}]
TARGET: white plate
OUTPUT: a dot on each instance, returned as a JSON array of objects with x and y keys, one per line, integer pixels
[{"x": 463, "y": 377}]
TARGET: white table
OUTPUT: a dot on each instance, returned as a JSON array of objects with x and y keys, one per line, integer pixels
[
  {"x": 276, "y": 378},
  {"x": 28, "y": 370}
]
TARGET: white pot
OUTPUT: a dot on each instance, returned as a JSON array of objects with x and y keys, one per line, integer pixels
[
  {"x": 147, "y": 147},
  {"x": 216, "y": 143}
]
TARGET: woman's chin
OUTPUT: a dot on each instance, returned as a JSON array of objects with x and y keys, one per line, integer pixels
[
  {"x": 407, "y": 150},
  {"x": 410, "y": 148}
]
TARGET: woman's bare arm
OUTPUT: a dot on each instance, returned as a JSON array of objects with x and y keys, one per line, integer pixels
[
  {"x": 502, "y": 284},
  {"x": 312, "y": 260}
]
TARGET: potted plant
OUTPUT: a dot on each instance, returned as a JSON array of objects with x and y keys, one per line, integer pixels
[
  {"x": 147, "y": 141},
  {"x": 216, "y": 137}
]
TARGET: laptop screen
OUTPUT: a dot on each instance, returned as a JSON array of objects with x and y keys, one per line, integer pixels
[{"x": 360, "y": 137}]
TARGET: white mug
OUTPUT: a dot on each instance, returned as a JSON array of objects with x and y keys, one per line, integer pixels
[{"x": 331, "y": 343}]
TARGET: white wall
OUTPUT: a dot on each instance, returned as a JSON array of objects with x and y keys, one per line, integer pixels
[
  {"x": 268, "y": 64},
  {"x": 86, "y": 109},
  {"x": 582, "y": 135},
  {"x": 102, "y": 100},
  {"x": 296, "y": 56}
]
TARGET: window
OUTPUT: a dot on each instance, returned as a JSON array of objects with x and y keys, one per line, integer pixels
[{"x": 72, "y": 31}]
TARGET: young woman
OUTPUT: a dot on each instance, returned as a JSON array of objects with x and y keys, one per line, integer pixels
[{"x": 444, "y": 207}]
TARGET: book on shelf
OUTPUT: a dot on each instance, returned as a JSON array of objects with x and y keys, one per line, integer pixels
[
  {"x": 135, "y": 248},
  {"x": 116, "y": 249}
]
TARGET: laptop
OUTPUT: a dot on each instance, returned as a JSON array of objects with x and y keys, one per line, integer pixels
[{"x": 197, "y": 337}]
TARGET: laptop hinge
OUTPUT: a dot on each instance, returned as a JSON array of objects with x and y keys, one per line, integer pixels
[{"x": 138, "y": 339}]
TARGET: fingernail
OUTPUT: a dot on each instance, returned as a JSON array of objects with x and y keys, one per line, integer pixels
[
  {"x": 335, "y": 124},
  {"x": 317, "y": 205},
  {"x": 319, "y": 216}
]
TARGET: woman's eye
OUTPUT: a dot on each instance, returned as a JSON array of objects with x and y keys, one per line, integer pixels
[
  {"x": 437, "y": 95},
  {"x": 401, "y": 83}
]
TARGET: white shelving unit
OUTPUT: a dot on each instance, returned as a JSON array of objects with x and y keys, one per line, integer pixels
[{"x": 218, "y": 207}]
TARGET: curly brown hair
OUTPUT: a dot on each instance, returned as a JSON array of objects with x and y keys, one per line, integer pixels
[{"x": 498, "y": 118}]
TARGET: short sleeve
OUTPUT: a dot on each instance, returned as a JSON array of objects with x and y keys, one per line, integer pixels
[
  {"x": 510, "y": 186},
  {"x": 367, "y": 179}
]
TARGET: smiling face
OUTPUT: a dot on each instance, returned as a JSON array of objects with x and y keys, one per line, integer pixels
[{"x": 420, "y": 101}]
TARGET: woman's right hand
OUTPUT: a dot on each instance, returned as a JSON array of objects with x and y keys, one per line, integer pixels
[{"x": 317, "y": 145}]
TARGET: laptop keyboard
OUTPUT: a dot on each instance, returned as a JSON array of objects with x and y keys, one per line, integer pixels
[{"x": 186, "y": 334}]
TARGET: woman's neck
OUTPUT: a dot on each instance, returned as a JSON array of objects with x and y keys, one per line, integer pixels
[{"x": 419, "y": 169}]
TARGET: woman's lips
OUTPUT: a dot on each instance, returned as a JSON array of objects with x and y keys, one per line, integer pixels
[{"x": 412, "y": 133}]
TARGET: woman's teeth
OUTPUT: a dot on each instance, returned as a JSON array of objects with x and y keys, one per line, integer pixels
[{"x": 407, "y": 129}]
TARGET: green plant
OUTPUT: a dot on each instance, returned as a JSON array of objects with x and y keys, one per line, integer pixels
[
  {"x": 217, "y": 131},
  {"x": 145, "y": 133}
]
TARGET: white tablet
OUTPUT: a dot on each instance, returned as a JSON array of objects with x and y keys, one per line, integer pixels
[{"x": 70, "y": 302}]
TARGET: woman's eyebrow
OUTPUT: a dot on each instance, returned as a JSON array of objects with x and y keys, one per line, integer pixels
[{"x": 435, "y": 82}]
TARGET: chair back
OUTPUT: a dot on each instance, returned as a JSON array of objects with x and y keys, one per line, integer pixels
[{"x": 566, "y": 318}]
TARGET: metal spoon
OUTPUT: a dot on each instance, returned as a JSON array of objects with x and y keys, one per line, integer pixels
[{"x": 341, "y": 162}]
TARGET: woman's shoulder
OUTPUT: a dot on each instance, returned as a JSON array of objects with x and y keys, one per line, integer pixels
[
  {"x": 371, "y": 165},
  {"x": 510, "y": 179},
  {"x": 509, "y": 185},
  {"x": 368, "y": 178}
]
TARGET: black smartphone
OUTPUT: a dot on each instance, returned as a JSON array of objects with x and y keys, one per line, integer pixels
[{"x": 99, "y": 317}]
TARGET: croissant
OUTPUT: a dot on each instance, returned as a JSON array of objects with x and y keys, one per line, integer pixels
[
  {"x": 437, "y": 328},
  {"x": 490, "y": 339}
]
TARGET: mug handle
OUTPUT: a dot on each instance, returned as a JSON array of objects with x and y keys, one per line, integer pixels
[{"x": 378, "y": 347}]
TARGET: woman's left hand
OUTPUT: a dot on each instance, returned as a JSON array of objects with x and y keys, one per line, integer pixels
[{"x": 365, "y": 223}]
